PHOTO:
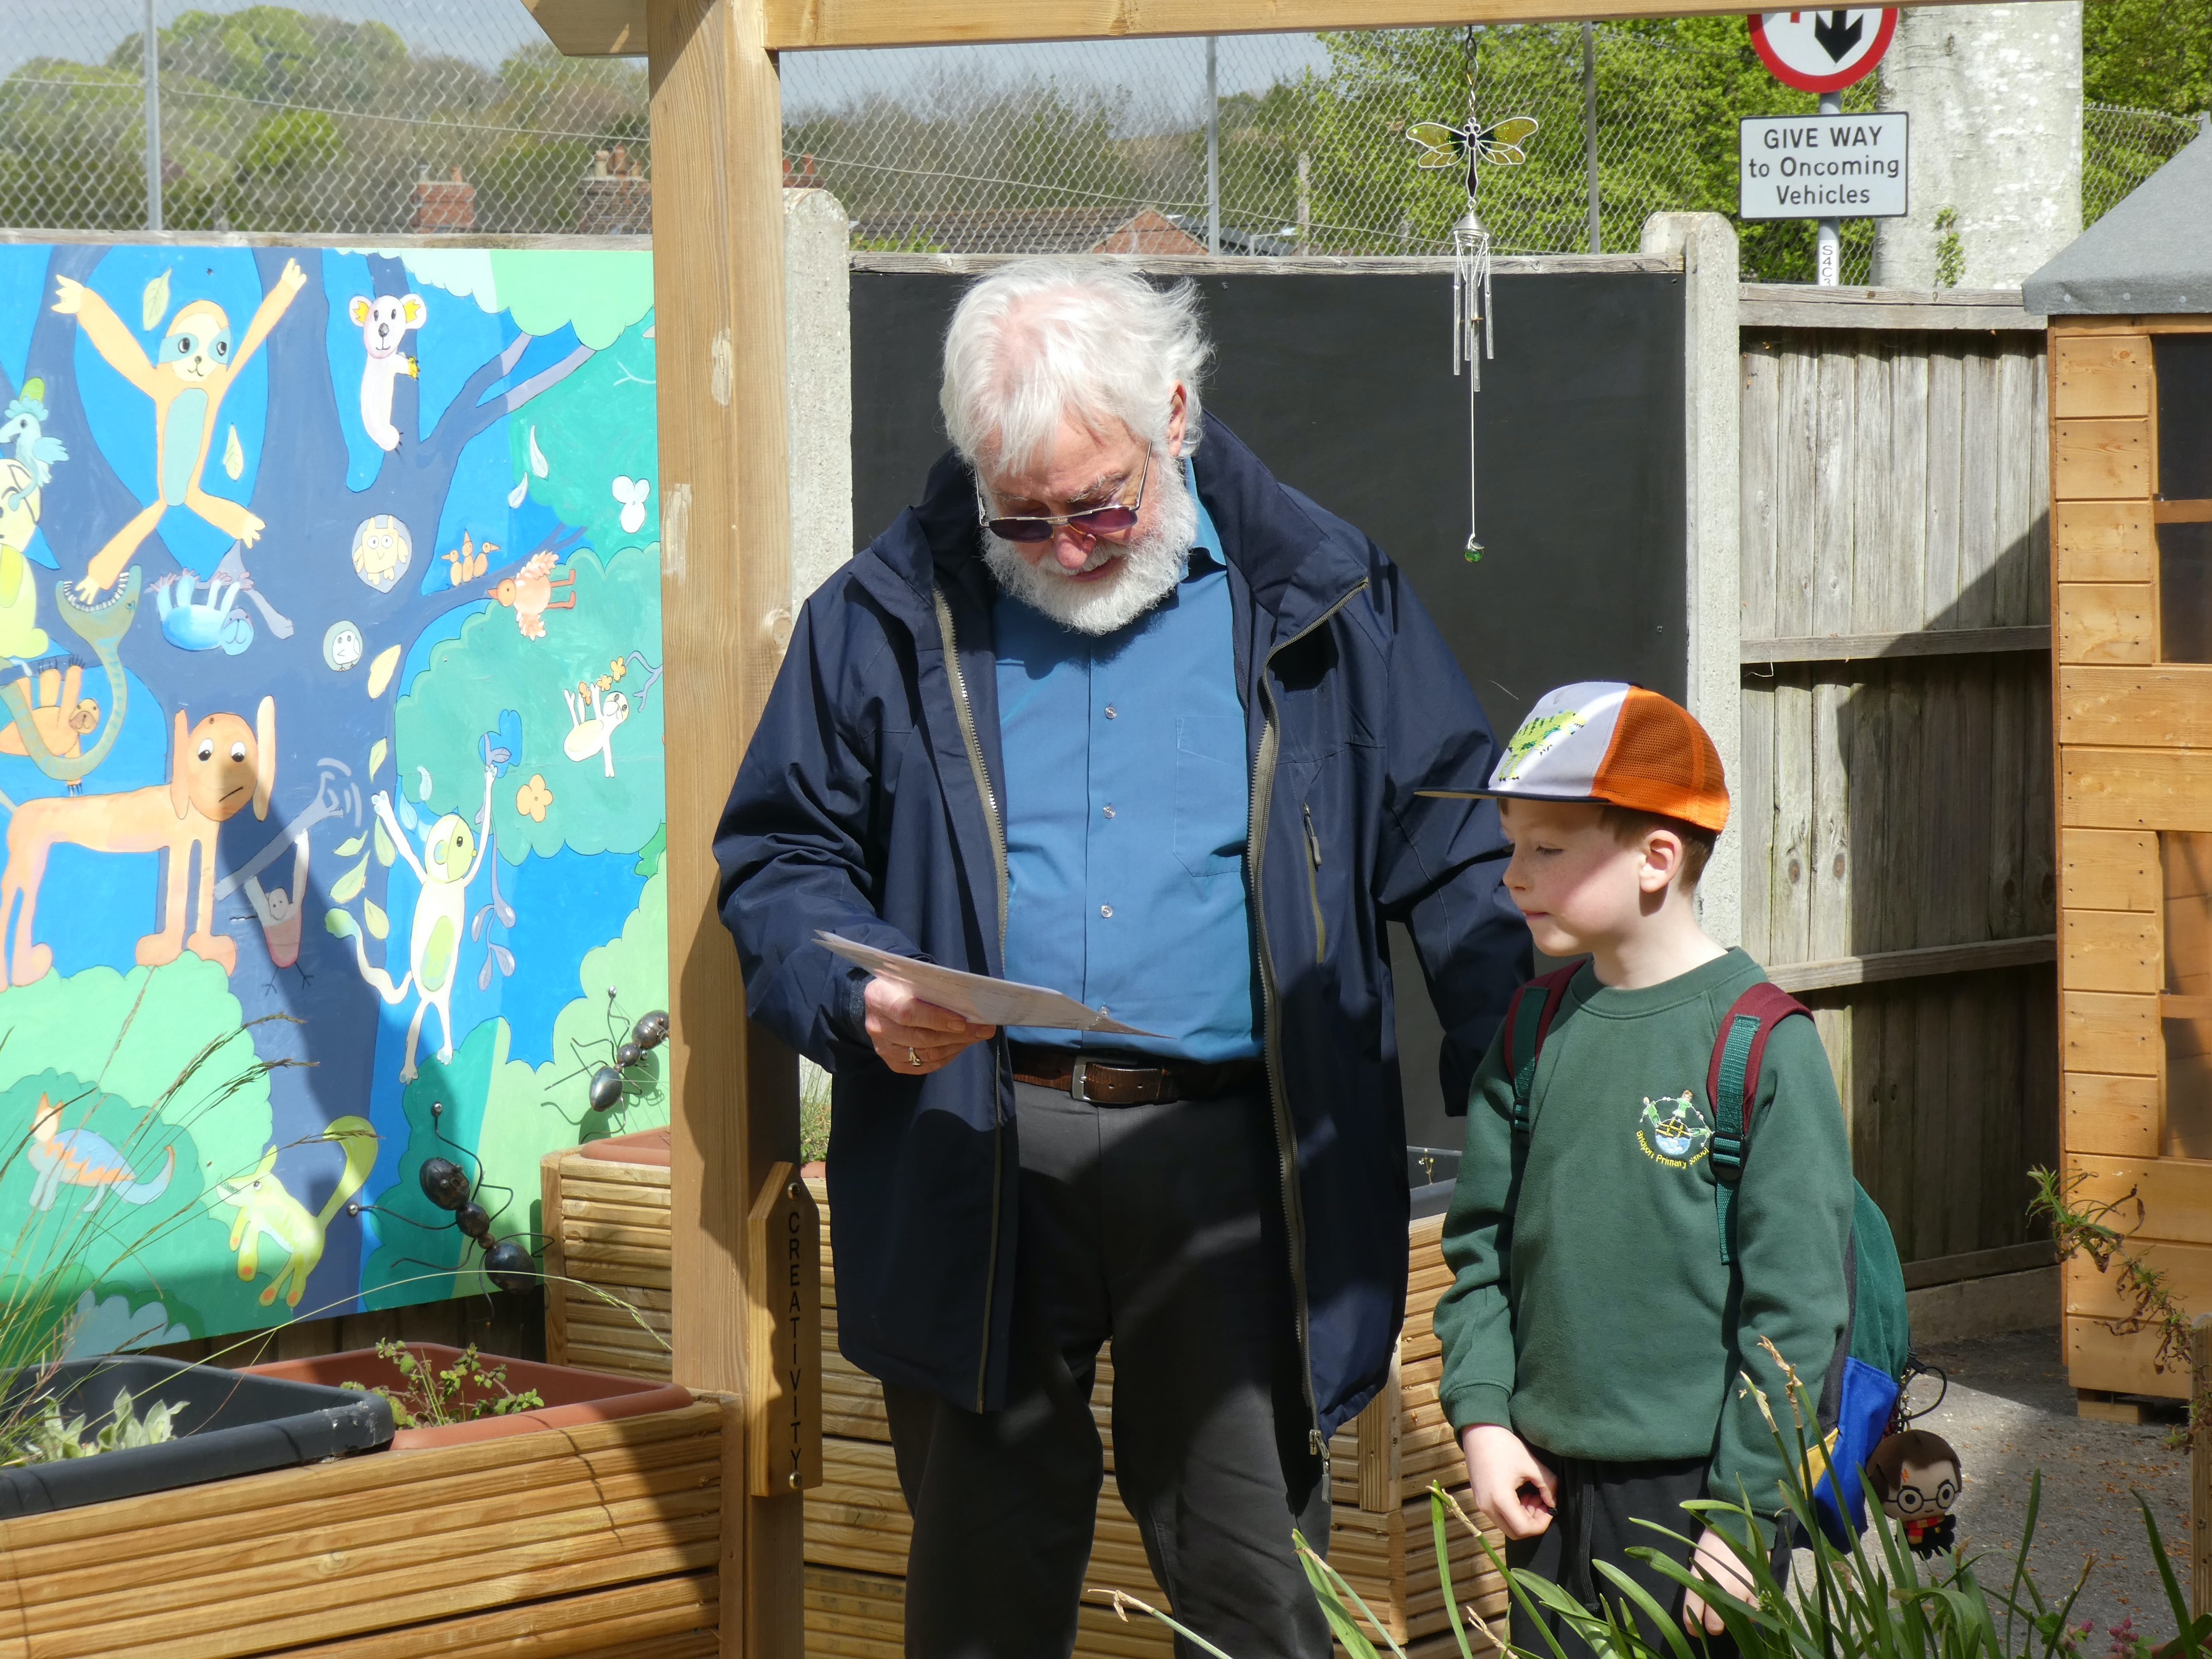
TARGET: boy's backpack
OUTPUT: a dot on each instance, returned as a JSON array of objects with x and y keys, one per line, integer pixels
[{"x": 1863, "y": 1389}]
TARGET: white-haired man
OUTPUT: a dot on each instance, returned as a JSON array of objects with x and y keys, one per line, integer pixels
[{"x": 1112, "y": 711}]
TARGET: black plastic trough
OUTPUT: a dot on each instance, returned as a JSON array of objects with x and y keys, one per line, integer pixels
[{"x": 227, "y": 1423}]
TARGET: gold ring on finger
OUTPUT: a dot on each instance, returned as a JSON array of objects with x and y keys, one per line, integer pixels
[{"x": 913, "y": 1059}]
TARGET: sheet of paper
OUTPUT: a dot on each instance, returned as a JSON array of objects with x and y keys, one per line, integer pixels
[{"x": 978, "y": 997}]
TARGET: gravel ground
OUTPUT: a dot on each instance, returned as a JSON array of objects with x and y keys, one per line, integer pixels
[{"x": 2009, "y": 1413}]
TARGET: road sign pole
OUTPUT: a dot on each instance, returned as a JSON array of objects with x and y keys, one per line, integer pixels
[{"x": 1829, "y": 262}]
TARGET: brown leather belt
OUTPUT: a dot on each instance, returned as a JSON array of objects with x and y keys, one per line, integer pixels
[{"x": 1132, "y": 1082}]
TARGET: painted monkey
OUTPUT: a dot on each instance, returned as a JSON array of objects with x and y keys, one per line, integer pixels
[
  {"x": 196, "y": 372},
  {"x": 61, "y": 717},
  {"x": 453, "y": 854}
]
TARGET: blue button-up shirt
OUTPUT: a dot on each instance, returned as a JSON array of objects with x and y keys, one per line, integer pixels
[{"x": 1128, "y": 803}]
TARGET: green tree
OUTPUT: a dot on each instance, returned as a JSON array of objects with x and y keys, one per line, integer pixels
[
  {"x": 2147, "y": 54},
  {"x": 1669, "y": 95}
]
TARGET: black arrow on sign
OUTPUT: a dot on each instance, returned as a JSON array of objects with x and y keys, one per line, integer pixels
[{"x": 1838, "y": 33}]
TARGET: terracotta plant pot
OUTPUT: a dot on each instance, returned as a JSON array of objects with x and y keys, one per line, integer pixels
[
  {"x": 648, "y": 1148},
  {"x": 571, "y": 1397}
]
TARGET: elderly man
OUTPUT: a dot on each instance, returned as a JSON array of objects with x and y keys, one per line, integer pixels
[{"x": 1114, "y": 712}]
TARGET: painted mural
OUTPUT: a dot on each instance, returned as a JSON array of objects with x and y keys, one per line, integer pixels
[{"x": 331, "y": 766}]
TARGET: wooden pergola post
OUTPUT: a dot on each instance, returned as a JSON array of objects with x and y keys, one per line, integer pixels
[
  {"x": 725, "y": 614},
  {"x": 726, "y": 588}
]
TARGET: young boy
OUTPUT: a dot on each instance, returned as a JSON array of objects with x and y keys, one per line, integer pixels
[{"x": 1598, "y": 1341}]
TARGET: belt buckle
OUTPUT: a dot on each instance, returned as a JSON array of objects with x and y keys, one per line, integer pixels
[{"x": 1075, "y": 1088}]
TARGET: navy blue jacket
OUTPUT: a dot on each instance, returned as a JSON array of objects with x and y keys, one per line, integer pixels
[{"x": 867, "y": 806}]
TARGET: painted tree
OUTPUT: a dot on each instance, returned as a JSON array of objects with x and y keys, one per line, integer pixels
[{"x": 299, "y": 434}]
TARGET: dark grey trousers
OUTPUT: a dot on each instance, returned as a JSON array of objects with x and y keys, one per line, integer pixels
[
  {"x": 1157, "y": 1228},
  {"x": 1603, "y": 1511}
]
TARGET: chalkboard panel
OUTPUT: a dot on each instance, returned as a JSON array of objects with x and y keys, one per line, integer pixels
[{"x": 1342, "y": 385}]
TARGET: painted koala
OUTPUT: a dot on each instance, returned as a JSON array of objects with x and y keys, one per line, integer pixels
[{"x": 385, "y": 321}]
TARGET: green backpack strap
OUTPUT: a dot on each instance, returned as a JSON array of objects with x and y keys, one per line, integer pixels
[
  {"x": 1732, "y": 1083},
  {"x": 1527, "y": 1023}
]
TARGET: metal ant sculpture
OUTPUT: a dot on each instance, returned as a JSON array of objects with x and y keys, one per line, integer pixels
[
  {"x": 611, "y": 1083},
  {"x": 507, "y": 1262}
]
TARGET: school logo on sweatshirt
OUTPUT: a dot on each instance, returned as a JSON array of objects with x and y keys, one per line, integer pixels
[{"x": 1674, "y": 1130}]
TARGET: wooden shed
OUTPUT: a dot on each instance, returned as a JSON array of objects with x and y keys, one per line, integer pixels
[{"x": 2131, "y": 311}]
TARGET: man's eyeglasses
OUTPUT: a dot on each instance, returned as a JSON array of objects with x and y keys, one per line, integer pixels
[{"x": 1110, "y": 520}]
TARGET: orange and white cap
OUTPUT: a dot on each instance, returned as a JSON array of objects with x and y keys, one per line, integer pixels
[{"x": 1620, "y": 745}]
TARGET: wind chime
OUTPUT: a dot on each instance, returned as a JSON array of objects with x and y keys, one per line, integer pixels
[{"x": 1469, "y": 146}]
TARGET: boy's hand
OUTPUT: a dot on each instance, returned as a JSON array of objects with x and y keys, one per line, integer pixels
[
  {"x": 1719, "y": 1563},
  {"x": 1508, "y": 1483}
]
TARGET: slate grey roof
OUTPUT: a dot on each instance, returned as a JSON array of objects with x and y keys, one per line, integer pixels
[{"x": 2151, "y": 254}]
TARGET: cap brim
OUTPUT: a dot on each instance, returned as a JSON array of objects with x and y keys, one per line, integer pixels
[{"x": 1512, "y": 794}]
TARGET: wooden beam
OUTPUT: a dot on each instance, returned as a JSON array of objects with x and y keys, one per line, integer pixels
[
  {"x": 1915, "y": 642},
  {"x": 726, "y": 598},
  {"x": 1980, "y": 1264},
  {"x": 592, "y": 29},
  {"x": 803, "y": 23},
  {"x": 1307, "y": 264},
  {"x": 1979, "y": 957},
  {"x": 1793, "y": 305},
  {"x": 599, "y": 28}
]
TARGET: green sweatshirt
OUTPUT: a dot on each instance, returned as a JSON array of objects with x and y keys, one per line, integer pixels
[{"x": 1591, "y": 1313}]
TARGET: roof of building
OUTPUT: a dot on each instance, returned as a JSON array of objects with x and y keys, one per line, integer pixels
[{"x": 2151, "y": 254}]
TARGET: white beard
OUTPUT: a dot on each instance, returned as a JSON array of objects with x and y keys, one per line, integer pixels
[{"x": 1151, "y": 564}]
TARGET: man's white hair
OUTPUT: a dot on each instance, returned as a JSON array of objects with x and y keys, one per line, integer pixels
[{"x": 1048, "y": 339}]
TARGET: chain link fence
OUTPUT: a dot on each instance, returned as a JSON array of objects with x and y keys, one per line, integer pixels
[
  {"x": 2122, "y": 147},
  {"x": 272, "y": 119},
  {"x": 428, "y": 117},
  {"x": 1308, "y": 148}
]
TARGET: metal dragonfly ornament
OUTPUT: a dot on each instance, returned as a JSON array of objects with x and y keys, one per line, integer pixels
[{"x": 1470, "y": 146}]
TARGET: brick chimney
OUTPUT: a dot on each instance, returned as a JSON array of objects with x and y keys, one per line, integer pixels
[
  {"x": 800, "y": 175},
  {"x": 442, "y": 206},
  {"x": 615, "y": 198}
]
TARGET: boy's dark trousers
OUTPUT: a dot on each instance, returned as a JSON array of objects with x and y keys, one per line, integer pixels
[
  {"x": 1157, "y": 1227},
  {"x": 1600, "y": 1506}
]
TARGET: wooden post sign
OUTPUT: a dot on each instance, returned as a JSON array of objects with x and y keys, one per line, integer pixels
[{"x": 783, "y": 1337}]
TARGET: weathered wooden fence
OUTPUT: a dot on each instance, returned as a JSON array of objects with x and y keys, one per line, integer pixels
[{"x": 1895, "y": 781}]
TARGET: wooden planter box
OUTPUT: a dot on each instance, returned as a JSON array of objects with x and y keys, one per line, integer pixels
[
  {"x": 599, "y": 1539},
  {"x": 606, "y": 1218}
]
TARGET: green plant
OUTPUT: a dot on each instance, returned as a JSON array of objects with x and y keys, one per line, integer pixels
[
  {"x": 1950, "y": 252},
  {"x": 59, "y": 1255},
  {"x": 1873, "y": 1600},
  {"x": 813, "y": 1113},
  {"x": 2083, "y": 1226},
  {"x": 48, "y": 1439},
  {"x": 428, "y": 1398}
]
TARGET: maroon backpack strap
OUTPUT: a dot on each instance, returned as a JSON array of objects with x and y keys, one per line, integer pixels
[
  {"x": 1554, "y": 987},
  {"x": 1527, "y": 1025}
]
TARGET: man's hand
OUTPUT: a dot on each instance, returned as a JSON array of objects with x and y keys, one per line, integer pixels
[
  {"x": 1714, "y": 1561},
  {"x": 1510, "y": 1484},
  {"x": 914, "y": 1036}
]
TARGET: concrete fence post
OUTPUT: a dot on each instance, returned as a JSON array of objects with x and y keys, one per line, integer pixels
[
  {"x": 819, "y": 384},
  {"x": 1712, "y": 425}
]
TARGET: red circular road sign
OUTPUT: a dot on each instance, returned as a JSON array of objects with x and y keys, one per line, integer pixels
[{"x": 1823, "y": 50}]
